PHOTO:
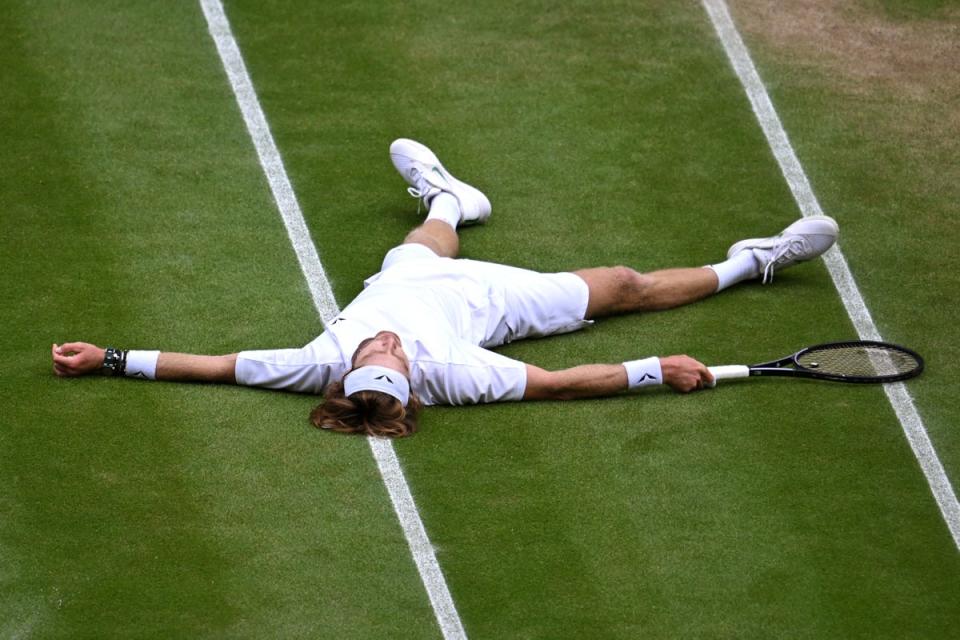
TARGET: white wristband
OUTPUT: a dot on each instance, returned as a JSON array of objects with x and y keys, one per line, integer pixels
[
  {"x": 142, "y": 364},
  {"x": 640, "y": 373}
]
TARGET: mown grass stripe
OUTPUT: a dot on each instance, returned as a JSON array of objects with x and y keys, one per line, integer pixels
[
  {"x": 271, "y": 161},
  {"x": 853, "y": 301},
  {"x": 323, "y": 299}
]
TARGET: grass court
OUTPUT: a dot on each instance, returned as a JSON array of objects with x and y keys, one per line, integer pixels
[{"x": 136, "y": 213}]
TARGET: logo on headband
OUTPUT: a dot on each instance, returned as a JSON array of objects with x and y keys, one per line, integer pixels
[{"x": 375, "y": 378}]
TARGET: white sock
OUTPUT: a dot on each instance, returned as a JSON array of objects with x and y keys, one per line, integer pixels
[
  {"x": 445, "y": 207},
  {"x": 742, "y": 266}
]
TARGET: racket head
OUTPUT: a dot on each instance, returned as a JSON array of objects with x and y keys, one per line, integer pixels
[{"x": 859, "y": 361}]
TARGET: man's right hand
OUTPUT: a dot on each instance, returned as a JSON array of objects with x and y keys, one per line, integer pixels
[
  {"x": 76, "y": 359},
  {"x": 684, "y": 374}
]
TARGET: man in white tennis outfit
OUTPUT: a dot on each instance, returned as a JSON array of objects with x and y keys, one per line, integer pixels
[{"x": 422, "y": 330}]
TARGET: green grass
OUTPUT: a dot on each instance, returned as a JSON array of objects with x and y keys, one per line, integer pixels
[
  {"x": 883, "y": 162},
  {"x": 136, "y": 213}
]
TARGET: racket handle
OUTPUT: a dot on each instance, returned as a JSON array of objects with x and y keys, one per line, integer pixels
[{"x": 728, "y": 372}]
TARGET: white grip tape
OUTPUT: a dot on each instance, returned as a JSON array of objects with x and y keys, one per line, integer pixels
[{"x": 728, "y": 372}]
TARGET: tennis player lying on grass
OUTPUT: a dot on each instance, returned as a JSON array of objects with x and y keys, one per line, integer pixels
[{"x": 420, "y": 333}]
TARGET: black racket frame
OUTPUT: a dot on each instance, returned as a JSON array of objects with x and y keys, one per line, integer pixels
[{"x": 779, "y": 367}]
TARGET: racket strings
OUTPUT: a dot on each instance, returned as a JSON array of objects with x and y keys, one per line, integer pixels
[{"x": 859, "y": 361}]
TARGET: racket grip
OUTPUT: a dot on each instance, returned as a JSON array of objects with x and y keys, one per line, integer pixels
[{"x": 728, "y": 372}]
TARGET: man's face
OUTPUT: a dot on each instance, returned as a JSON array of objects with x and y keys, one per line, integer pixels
[{"x": 382, "y": 350}]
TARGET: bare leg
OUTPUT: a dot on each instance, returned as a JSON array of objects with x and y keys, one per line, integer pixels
[
  {"x": 436, "y": 235},
  {"x": 615, "y": 290}
]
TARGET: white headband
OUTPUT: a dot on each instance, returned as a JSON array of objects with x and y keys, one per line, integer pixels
[{"x": 374, "y": 378}]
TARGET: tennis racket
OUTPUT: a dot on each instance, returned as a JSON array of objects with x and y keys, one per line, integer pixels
[{"x": 853, "y": 361}]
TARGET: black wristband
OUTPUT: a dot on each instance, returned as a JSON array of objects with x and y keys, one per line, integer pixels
[{"x": 114, "y": 362}]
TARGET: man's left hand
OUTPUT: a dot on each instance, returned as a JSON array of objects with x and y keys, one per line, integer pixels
[{"x": 76, "y": 359}]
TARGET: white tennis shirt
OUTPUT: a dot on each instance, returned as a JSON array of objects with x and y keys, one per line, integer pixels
[{"x": 445, "y": 313}]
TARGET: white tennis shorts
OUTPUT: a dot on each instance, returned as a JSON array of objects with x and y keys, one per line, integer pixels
[{"x": 533, "y": 304}]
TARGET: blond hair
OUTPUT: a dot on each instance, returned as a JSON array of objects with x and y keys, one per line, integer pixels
[{"x": 372, "y": 413}]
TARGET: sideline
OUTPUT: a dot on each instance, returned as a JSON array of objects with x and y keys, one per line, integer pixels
[
  {"x": 386, "y": 458},
  {"x": 897, "y": 393}
]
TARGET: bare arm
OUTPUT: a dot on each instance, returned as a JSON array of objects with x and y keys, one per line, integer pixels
[
  {"x": 192, "y": 368},
  {"x": 682, "y": 373},
  {"x": 82, "y": 358}
]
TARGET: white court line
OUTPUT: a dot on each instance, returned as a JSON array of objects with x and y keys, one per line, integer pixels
[
  {"x": 387, "y": 462},
  {"x": 856, "y": 308}
]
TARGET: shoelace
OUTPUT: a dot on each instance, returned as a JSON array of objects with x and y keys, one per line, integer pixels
[
  {"x": 421, "y": 190},
  {"x": 786, "y": 252}
]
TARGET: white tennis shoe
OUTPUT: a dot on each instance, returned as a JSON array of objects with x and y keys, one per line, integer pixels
[
  {"x": 803, "y": 240},
  {"x": 422, "y": 170}
]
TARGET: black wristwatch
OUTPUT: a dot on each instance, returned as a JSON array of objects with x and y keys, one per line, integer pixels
[{"x": 114, "y": 362}]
